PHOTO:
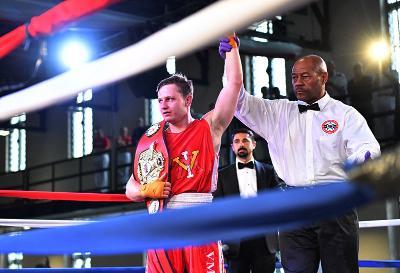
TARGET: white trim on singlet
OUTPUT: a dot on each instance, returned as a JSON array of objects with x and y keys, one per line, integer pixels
[{"x": 189, "y": 199}]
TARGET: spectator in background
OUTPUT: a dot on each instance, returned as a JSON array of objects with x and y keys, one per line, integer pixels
[
  {"x": 336, "y": 86},
  {"x": 124, "y": 139},
  {"x": 275, "y": 93},
  {"x": 101, "y": 143},
  {"x": 246, "y": 178},
  {"x": 271, "y": 93},
  {"x": 392, "y": 76},
  {"x": 265, "y": 92},
  {"x": 138, "y": 131},
  {"x": 124, "y": 156},
  {"x": 360, "y": 90}
]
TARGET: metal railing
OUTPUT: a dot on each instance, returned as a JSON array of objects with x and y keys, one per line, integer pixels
[{"x": 89, "y": 173}]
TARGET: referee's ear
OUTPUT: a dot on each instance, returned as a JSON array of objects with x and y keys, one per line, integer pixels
[{"x": 324, "y": 77}]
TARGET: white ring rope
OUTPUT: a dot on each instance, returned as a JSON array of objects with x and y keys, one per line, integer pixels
[
  {"x": 36, "y": 223},
  {"x": 191, "y": 33},
  {"x": 379, "y": 223}
]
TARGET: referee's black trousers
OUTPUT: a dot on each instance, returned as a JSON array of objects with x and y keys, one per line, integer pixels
[{"x": 334, "y": 242}]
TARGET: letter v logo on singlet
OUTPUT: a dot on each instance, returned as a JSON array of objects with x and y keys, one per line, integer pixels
[
  {"x": 210, "y": 262},
  {"x": 187, "y": 167}
]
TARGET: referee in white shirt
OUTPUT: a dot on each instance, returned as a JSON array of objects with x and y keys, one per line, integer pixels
[{"x": 309, "y": 140}]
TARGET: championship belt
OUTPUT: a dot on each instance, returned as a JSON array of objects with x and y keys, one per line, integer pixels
[{"x": 151, "y": 161}]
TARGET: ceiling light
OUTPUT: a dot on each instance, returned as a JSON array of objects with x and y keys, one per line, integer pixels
[{"x": 74, "y": 53}]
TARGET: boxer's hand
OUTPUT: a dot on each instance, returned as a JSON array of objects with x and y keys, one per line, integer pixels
[
  {"x": 226, "y": 44},
  {"x": 157, "y": 189}
]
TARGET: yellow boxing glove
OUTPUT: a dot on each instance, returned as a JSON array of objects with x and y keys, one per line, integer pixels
[
  {"x": 233, "y": 40},
  {"x": 154, "y": 189}
]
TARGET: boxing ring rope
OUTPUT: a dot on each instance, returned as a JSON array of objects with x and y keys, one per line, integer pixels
[
  {"x": 51, "y": 21},
  {"x": 379, "y": 263},
  {"x": 179, "y": 39},
  {"x": 57, "y": 223},
  {"x": 66, "y": 196},
  {"x": 379, "y": 223},
  {"x": 42, "y": 223},
  {"x": 138, "y": 269},
  {"x": 39, "y": 223},
  {"x": 226, "y": 219},
  {"x": 34, "y": 223}
]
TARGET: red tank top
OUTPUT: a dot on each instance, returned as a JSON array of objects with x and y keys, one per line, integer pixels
[{"x": 193, "y": 167}]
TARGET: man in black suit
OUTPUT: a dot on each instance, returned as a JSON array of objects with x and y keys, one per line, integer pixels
[{"x": 246, "y": 177}]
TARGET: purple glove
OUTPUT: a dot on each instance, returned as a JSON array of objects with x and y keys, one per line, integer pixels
[
  {"x": 350, "y": 165},
  {"x": 367, "y": 156},
  {"x": 225, "y": 46}
]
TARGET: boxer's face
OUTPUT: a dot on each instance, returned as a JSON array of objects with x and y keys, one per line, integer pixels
[{"x": 173, "y": 106}]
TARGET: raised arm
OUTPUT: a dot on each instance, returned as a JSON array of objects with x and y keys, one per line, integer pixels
[{"x": 225, "y": 105}]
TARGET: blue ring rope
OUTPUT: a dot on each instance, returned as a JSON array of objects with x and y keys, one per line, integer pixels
[
  {"x": 225, "y": 219},
  {"x": 140, "y": 269},
  {"x": 379, "y": 263}
]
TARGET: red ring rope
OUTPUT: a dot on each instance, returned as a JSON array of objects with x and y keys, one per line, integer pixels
[
  {"x": 67, "y": 196},
  {"x": 51, "y": 21}
]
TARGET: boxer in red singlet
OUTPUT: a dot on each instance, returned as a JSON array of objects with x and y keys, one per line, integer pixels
[{"x": 193, "y": 147}]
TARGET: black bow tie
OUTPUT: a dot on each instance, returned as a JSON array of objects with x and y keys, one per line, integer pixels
[
  {"x": 249, "y": 165},
  {"x": 304, "y": 108}
]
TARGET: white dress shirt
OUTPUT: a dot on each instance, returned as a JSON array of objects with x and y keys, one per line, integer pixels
[
  {"x": 247, "y": 179},
  {"x": 310, "y": 147}
]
